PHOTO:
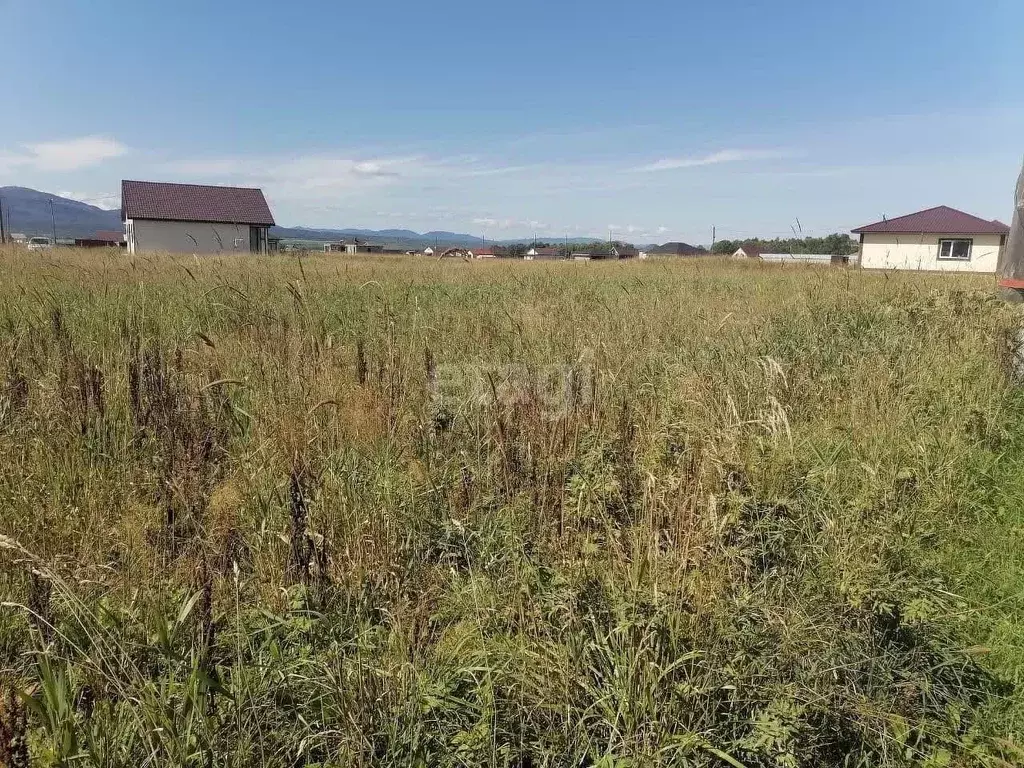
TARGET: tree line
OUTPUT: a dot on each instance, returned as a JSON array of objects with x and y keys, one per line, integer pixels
[{"x": 835, "y": 244}]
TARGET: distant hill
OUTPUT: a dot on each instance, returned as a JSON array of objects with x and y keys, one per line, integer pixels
[
  {"x": 28, "y": 212},
  {"x": 403, "y": 238}
]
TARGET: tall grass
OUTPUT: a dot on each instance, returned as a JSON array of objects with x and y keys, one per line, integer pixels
[{"x": 372, "y": 511}]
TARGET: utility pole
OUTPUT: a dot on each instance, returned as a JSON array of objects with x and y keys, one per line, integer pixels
[
  {"x": 3, "y": 230},
  {"x": 53, "y": 223},
  {"x": 713, "y": 233}
]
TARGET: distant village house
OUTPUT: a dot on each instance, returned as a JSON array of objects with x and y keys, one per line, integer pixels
[
  {"x": 353, "y": 247},
  {"x": 543, "y": 252},
  {"x": 102, "y": 239},
  {"x": 747, "y": 252},
  {"x": 678, "y": 249}
]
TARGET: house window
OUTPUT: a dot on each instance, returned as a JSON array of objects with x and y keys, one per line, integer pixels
[{"x": 955, "y": 250}]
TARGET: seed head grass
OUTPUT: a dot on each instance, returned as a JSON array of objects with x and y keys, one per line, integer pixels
[{"x": 374, "y": 511}]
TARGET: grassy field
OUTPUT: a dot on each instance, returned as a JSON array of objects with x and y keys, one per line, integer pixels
[{"x": 399, "y": 512}]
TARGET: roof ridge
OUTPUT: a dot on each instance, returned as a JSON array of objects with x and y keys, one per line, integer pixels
[
  {"x": 939, "y": 218},
  {"x": 918, "y": 213},
  {"x": 186, "y": 184}
]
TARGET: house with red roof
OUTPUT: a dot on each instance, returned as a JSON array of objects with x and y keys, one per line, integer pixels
[
  {"x": 194, "y": 218},
  {"x": 939, "y": 239}
]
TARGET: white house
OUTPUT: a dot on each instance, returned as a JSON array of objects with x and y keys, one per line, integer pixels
[
  {"x": 942, "y": 239},
  {"x": 193, "y": 218},
  {"x": 747, "y": 252},
  {"x": 543, "y": 252}
]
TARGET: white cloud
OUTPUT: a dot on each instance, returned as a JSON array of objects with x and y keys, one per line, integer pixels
[
  {"x": 70, "y": 155},
  {"x": 492, "y": 223},
  {"x": 715, "y": 158},
  {"x": 109, "y": 201}
]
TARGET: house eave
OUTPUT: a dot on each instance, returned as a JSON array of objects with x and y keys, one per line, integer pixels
[{"x": 201, "y": 221}]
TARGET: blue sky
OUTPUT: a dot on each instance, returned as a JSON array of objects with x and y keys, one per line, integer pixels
[{"x": 657, "y": 120}]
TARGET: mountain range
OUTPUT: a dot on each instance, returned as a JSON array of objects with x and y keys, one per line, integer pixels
[{"x": 31, "y": 212}]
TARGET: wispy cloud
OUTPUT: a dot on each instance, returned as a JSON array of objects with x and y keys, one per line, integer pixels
[
  {"x": 107, "y": 200},
  {"x": 714, "y": 158},
  {"x": 491, "y": 222},
  {"x": 69, "y": 155}
]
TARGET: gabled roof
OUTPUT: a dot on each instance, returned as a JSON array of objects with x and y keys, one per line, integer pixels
[
  {"x": 194, "y": 202},
  {"x": 752, "y": 251},
  {"x": 942, "y": 220},
  {"x": 677, "y": 249}
]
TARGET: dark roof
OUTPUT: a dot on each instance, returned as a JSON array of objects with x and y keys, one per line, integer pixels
[
  {"x": 677, "y": 249},
  {"x": 752, "y": 251},
  {"x": 194, "y": 202},
  {"x": 941, "y": 219},
  {"x": 109, "y": 236}
]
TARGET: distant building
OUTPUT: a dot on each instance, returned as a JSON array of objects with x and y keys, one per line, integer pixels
[
  {"x": 803, "y": 258},
  {"x": 19, "y": 238},
  {"x": 755, "y": 252},
  {"x": 580, "y": 256},
  {"x": 623, "y": 252},
  {"x": 747, "y": 252},
  {"x": 101, "y": 239},
  {"x": 482, "y": 253},
  {"x": 941, "y": 239},
  {"x": 352, "y": 247},
  {"x": 428, "y": 251},
  {"x": 678, "y": 249},
  {"x": 544, "y": 252},
  {"x": 194, "y": 218}
]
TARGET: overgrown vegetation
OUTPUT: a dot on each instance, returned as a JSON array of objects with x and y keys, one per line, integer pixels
[{"x": 364, "y": 511}]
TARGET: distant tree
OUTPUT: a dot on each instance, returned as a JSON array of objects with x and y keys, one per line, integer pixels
[{"x": 836, "y": 244}]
